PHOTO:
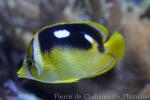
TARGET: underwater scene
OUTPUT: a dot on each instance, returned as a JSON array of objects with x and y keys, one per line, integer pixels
[{"x": 74, "y": 49}]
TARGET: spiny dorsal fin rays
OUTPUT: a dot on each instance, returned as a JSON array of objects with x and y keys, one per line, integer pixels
[{"x": 104, "y": 32}]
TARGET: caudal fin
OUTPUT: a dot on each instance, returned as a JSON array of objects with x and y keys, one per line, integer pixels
[{"x": 116, "y": 45}]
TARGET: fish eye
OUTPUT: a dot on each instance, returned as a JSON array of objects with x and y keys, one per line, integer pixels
[
  {"x": 29, "y": 62},
  {"x": 30, "y": 65}
]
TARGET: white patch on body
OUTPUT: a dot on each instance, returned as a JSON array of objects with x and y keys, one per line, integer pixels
[
  {"x": 89, "y": 38},
  {"x": 61, "y": 33}
]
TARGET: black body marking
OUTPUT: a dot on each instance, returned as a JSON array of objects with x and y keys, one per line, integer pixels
[
  {"x": 30, "y": 50},
  {"x": 76, "y": 39},
  {"x": 30, "y": 57},
  {"x": 30, "y": 54}
]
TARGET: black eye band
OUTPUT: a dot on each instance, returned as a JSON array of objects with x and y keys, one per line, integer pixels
[
  {"x": 30, "y": 55},
  {"x": 29, "y": 62}
]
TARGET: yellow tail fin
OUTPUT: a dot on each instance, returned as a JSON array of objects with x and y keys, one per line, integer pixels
[{"x": 115, "y": 45}]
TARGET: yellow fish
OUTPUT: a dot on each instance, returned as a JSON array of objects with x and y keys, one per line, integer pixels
[{"x": 69, "y": 52}]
